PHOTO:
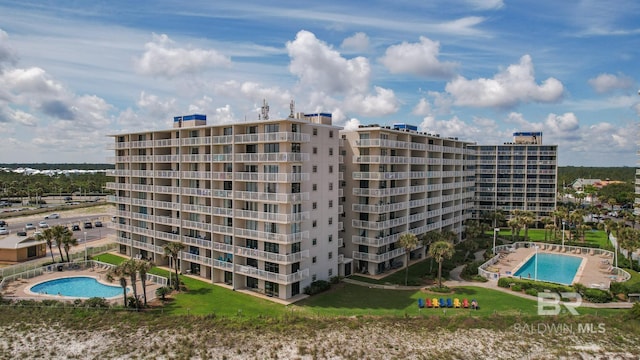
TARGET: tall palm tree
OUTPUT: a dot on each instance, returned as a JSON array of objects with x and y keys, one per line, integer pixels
[
  {"x": 408, "y": 242},
  {"x": 441, "y": 250},
  {"x": 67, "y": 242},
  {"x": 118, "y": 272},
  {"x": 172, "y": 249},
  {"x": 514, "y": 224},
  {"x": 47, "y": 236},
  {"x": 130, "y": 268},
  {"x": 526, "y": 218},
  {"x": 143, "y": 268},
  {"x": 58, "y": 234},
  {"x": 629, "y": 239},
  {"x": 577, "y": 218}
]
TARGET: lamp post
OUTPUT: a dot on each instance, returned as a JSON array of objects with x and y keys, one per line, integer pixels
[
  {"x": 563, "y": 222},
  {"x": 85, "y": 246},
  {"x": 495, "y": 233}
]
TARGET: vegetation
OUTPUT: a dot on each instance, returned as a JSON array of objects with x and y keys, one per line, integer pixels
[
  {"x": 568, "y": 174},
  {"x": 439, "y": 251},
  {"x": 172, "y": 249},
  {"x": 408, "y": 242}
]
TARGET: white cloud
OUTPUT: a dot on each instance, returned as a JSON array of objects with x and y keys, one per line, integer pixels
[
  {"x": 508, "y": 88},
  {"x": 422, "y": 107},
  {"x": 321, "y": 68},
  {"x": 7, "y": 54},
  {"x": 382, "y": 103},
  {"x": 358, "y": 42},
  {"x": 562, "y": 124},
  {"x": 161, "y": 58},
  {"x": 486, "y": 4},
  {"x": 453, "y": 127},
  {"x": 352, "y": 124},
  {"x": 604, "y": 83},
  {"x": 418, "y": 59}
]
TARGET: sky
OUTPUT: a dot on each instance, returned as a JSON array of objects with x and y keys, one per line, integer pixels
[{"x": 74, "y": 72}]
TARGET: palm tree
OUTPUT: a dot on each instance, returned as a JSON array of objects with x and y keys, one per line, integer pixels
[
  {"x": 47, "y": 235},
  {"x": 68, "y": 241},
  {"x": 527, "y": 218},
  {"x": 130, "y": 268},
  {"x": 577, "y": 218},
  {"x": 441, "y": 250},
  {"x": 172, "y": 249},
  {"x": 514, "y": 224},
  {"x": 629, "y": 239},
  {"x": 408, "y": 242},
  {"x": 143, "y": 268},
  {"x": 118, "y": 272},
  {"x": 58, "y": 234}
]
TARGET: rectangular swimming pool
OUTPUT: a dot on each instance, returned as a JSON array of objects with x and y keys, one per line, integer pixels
[{"x": 553, "y": 268}]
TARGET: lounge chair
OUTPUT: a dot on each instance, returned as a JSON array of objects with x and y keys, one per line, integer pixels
[
  {"x": 435, "y": 303},
  {"x": 429, "y": 303},
  {"x": 552, "y": 248},
  {"x": 465, "y": 303},
  {"x": 474, "y": 305},
  {"x": 449, "y": 303},
  {"x": 442, "y": 303},
  {"x": 592, "y": 252},
  {"x": 420, "y": 303},
  {"x": 456, "y": 303}
]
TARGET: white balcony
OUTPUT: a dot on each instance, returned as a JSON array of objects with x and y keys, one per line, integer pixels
[
  {"x": 272, "y": 217},
  {"x": 378, "y": 258},
  {"x": 196, "y": 258},
  {"x": 222, "y": 265},
  {"x": 272, "y": 237},
  {"x": 273, "y": 157},
  {"x": 188, "y": 240},
  {"x": 271, "y": 197},
  {"x": 270, "y": 276},
  {"x": 272, "y": 257},
  {"x": 272, "y": 137},
  {"x": 275, "y": 177}
]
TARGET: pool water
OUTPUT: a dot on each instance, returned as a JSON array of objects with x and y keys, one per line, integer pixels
[
  {"x": 553, "y": 268},
  {"x": 77, "y": 287}
]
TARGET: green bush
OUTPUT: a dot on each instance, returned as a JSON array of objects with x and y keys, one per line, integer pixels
[
  {"x": 479, "y": 278},
  {"x": 517, "y": 288},
  {"x": 316, "y": 287},
  {"x": 618, "y": 288},
  {"x": 470, "y": 270},
  {"x": 532, "y": 292},
  {"x": 438, "y": 289},
  {"x": 334, "y": 280},
  {"x": 96, "y": 302},
  {"x": 597, "y": 295}
]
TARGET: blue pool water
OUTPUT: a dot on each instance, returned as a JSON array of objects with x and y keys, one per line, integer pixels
[
  {"x": 77, "y": 287},
  {"x": 553, "y": 268}
]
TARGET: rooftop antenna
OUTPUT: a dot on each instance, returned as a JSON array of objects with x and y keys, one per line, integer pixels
[
  {"x": 265, "y": 110},
  {"x": 292, "y": 108}
]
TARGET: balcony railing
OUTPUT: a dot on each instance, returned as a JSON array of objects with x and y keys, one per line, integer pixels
[
  {"x": 271, "y": 276},
  {"x": 269, "y": 256},
  {"x": 378, "y": 258}
]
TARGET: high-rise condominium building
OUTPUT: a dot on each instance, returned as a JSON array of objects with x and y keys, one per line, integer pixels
[
  {"x": 398, "y": 180},
  {"x": 255, "y": 204},
  {"x": 518, "y": 175}
]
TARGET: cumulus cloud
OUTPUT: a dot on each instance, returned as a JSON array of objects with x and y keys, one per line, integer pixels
[
  {"x": 358, "y": 42},
  {"x": 162, "y": 58},
  {"x": 506, "y": 89},
  {"x": 321, "y": 68},
  {"x": 605, "y": 83},
  {"x": 452, "y": 127},
  {"x": 417, "y": 59},
  {"x": 384, "y": 102},
  {"x": 562, "y": 124},
  {"x": 352, "y": 124},
  {"x": 422, "y": 107}
]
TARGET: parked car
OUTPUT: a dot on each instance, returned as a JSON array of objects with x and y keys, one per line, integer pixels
[
  {"x": 29, "y": 226},
  {"x": 97, "y": 224},
  {"x": 4, "y": 231},
  {"x": 75, "y": 227},
  {"x": 21, "y": 233},
  {"x": 3, "y": 223},
  {"x": 88, "y": 225},
  {"x": 43, "y": 225},
  {"x": 52, "y": 216}
]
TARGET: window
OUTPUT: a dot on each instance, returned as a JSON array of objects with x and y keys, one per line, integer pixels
[
  {"x": 271, "y": 169},
  {"x": 315, "y": 150},
  {"x": 330, "y": 203},
  {"x": 314, "y": 242},
  {"x": 271, "y": 128},
  {"x": 330, "y": 255},
  {"x": 272, "y": 148},
  {"x": 330, "y": 220},
  {"x": 314, "y": 205},
  {"x": 270, "y": 188},
  {"x": 314, "y": 277},
  {"x": 330, "y": 151},
  {"x": 330, "y": 186},
  {"x": 315, "y": 223},
  {"x": 270, "y": 208},
  {"x": 251, "y": 149},
  {"x": 330, "y": 272},
  {"x": 295, "y": 147},
  {"x": 295, "y": 188},
  {"x": 315, "y": 131},
  {"x": 227, "y": 131},
  {"x": 252, "y": 244},
  {"x": 330, "y": 133},
  {"x": 252, "y": 187},
  {"x": 227, "y": 185},
  {"x": 252, "y": 129},
  {"x": 330, "y": 238},
  {"x": 314, "y": 260},
  {"x": 314, "y": 187},
  {"x": 271, "y": 267},
  {"x": 330, "y": 169},
  {"x": 295, "y": 127},
  {"x": 314, "y": 169}
]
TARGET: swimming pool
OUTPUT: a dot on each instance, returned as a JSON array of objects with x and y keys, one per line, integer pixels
[
  {"x": 77, "y": 287},
  {"x": 553, "y": 268}
]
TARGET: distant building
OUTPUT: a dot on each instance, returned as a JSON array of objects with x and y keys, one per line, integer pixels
[{"x": 516, "y": 175}]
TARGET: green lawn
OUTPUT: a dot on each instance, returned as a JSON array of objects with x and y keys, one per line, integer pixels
[
  {"x": 203, "y": 298},
  {"x": 592, "y": 237}
]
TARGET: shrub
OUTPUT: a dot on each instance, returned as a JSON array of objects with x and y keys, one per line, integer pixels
[
  {"x": 517, "y": 288},
  {"x": 334, "y": 280},
  {"x": 532, "y": 292},
  {"x": 438, "y": 289},
  {"x": 479, "y": 278},
  {"x": 96, "y": 302},
  {"x": 162, "y": 292},
  {"x": 470, "y": 270},
  {"x": 618, "y": 288},
  {"x": 597, "y": 295},
  {"x": 634, "y": 312},
  {"x": 316, "y": 287}
]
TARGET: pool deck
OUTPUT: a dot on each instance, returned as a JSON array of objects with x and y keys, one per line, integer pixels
[
  {"x": 593, "y": 272},
  {"x": 18, "y": 289}
]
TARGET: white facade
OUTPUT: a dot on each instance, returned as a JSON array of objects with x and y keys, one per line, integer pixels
[
  {"x": 255, "y": 204},
  {"x": 398, "y": 181}
]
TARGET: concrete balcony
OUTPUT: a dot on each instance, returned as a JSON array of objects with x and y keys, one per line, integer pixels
[
  {"x": 378, "y": 258},
  {"x": 272, "y": 237},
  {"x": 206, "y": 140},
  {"x": 379, "y": 175},
  {"x": 271, "y": 276},
  {"x": 272, "y": 157},
  {"x": 272, "y": 137},
  {"x": 271, "y": 197},
  {"x": 272, "y": 217},
  {"x": 277, "y": 177},
  {"x": 269, "y": 256},
  {"x": 222, "y": 265},
  {"x": 203, "y": 260}
]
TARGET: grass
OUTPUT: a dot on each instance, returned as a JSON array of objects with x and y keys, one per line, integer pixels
[
  {"x": 203, "y": 298},
  {"x": 592, "y": 237}
]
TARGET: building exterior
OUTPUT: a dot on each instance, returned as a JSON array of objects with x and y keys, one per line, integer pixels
[
  {"x": 14, "y": 248},
  {"x": 255, "y": 203},
  {"x": 516, "y": 175},
  {"x": 399, "y": 180}
]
